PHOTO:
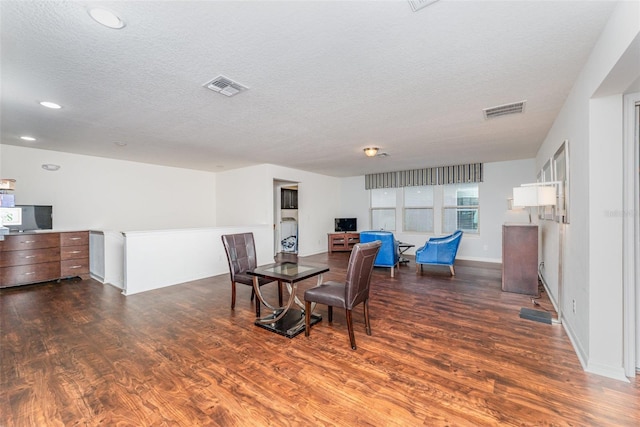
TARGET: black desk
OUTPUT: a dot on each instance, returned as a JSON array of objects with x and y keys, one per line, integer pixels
[
  {"x": 402, "y": 248},
  {"x": 286, "y": 320}
]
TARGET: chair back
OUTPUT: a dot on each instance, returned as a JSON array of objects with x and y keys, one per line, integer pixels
[
  {"x": 448, "y": 246},
  {"x": 359, "y": 272},
  {"x": 388, "y": 256},
  {"x": 241, "y": 252}
]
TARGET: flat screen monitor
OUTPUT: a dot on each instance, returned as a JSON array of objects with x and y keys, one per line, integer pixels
[
  {"x": 34, "y": 217},
  {"x": 346, "y": 224}
]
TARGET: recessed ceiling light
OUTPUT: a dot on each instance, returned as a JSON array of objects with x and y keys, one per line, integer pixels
[
  {"x": 52, "y": 105},
  {"x": 106, "y": 18},
  {"x": 28, "y": 138}
]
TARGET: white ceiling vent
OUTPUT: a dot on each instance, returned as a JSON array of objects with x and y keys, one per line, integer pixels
[
  {"x": 416, "y": 5},
  {"x": 503, "y": 110},
  {"x": 225, "y": 86}
]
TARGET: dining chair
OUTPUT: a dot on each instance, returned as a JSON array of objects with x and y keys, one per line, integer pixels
[
  {"x": 347, "y": 295},
  {"x": 241, "y": 255}
]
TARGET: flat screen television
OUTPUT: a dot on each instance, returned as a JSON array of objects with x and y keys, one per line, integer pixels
[
  {"x": 34, "y": 217},
  {"x": 346, "y": 224}
]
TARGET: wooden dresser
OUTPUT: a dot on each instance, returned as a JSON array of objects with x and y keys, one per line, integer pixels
[
  {"x": 520, "y": 258},
  {"x": 340, "y": 242},
  {"x": 27, "y": 258}
]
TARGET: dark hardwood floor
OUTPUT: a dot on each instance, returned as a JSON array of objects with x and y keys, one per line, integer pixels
[{"x": 444, "y": 351}]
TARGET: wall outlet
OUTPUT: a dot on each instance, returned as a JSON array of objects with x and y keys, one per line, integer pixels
[{"x": 573, "y": 306}]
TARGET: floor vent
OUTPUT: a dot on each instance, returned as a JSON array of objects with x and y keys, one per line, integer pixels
[
  {"x": 503, "y": 110},
  {"x": 225, "y": 86}
]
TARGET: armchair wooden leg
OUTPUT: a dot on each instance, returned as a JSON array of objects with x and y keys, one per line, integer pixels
[
  {"x": 330, "y": 310},
  {"x": 418, "y": 268},
  {"x": 367, "y": 325},
  {"x": 453, "y": 273},
  {"x": 352, "y": 338},
  {"x": 392, "y": 270},
  {"x": 307, "y": 318}
]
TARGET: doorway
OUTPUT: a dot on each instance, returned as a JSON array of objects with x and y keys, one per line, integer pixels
[
  {"x": 286, "y": 214},
  {"x": 631, "y": 235}
]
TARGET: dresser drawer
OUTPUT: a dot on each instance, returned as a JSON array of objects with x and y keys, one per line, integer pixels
[
  {"x": 74, "y": 267},
  {"x": 29, "y": 241},
  {"x": 25, "y": 274},
  {"x": 74, "y": 252},
  {"x": 74, "y": 239},
  {"x": 33, "y": 256}
]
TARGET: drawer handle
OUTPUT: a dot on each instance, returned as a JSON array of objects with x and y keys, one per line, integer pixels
[
  {"x": 75, "y": 238},
  {"x": 28, "y": 241},
  {"x": 76, "y": 266},
  {"x": 29, "y": 256},
  {"x": 29, "y": 274},
  {"x": 74, "y": 252}
]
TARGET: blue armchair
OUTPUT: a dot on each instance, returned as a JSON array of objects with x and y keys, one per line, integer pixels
[
  {"x": 388, "y": 256},
  {"x": 439, "y": 250}
]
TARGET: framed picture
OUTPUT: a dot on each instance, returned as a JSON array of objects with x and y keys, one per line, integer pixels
[
  {"x": 560, "y": 166},
  {"x": 548, "y": 212}
]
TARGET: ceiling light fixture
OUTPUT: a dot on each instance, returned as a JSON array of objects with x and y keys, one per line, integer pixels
[
  {"x": 51, "y": 105},
  {"x": 27, "y": 138},
  {"x": 371, "y": 151},
  {"x": 106, "y": 18}
]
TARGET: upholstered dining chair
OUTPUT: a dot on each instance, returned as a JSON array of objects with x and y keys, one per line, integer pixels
[
  {"x": 347, "y": 295},
  {"x": 241, "y": 255}
]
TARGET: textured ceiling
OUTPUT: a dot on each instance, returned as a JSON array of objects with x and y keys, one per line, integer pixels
[{"x": 326, "y": 79}]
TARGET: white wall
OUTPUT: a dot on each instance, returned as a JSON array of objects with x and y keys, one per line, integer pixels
[
  {"x": 593, "y": 240},
  {"x": 499, "y": 180},
  {"x": 156, "y": 259},
  {"x": 104, "y": 194},
  {"x": 245, "y": 196}
]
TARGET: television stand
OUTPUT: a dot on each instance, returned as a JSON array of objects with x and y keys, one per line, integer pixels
[{"x": 342, "y": 242}]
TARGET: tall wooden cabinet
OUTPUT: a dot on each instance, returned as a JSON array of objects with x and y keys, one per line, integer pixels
[
  {"x": 520, "y": 258},
  {"x": 40, "y": 257}
]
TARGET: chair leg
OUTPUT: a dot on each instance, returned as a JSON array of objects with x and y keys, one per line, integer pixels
[
  {"x": 392, "y": 269},
  {"x": 367, "y": 325},
  {"x": 352, "y": 338},
  {"x": 453, "y": 273},
  {"x": 418, "y": 268},
  {"x": 279, "y": 293},
  {"x": 330, "y": 310},
  {"x": 307, "y": 318},
  {"x": 233, "y": 295}
]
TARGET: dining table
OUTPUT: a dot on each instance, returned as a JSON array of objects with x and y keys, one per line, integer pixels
[{"x": 287, "y": 320}]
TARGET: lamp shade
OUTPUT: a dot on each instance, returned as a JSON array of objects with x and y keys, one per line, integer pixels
[{"x": 534, "y": 195}]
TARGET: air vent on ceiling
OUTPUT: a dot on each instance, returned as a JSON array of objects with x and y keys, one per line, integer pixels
[
  {"x": 416, "y": 5},
  {"x": 503, "y": 110},
  {"x": 225, "y": 86}
]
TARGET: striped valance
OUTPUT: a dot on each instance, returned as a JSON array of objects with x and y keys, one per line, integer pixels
[{"x": 472, "y": 172}]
